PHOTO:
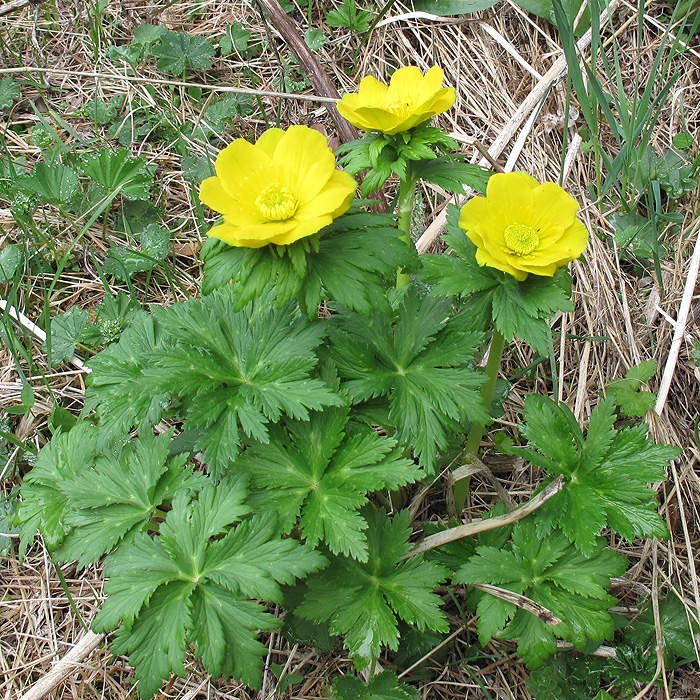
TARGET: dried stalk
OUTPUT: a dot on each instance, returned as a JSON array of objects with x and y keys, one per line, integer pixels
[{"x": 456, "y": 533}]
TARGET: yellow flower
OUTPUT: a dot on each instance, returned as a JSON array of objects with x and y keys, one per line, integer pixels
[
  {"x": 410, "y": 99},
  {"x": 524, "y": 227},
  {"x": 278, "y": 190}
]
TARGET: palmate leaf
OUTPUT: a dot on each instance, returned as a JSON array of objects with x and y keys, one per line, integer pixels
[
  {"x": 519, "y": 309},
  {"x": 349, "y": 262},
  {"x": 231, "y": 372},
  {"x": 44, "y": 505},
  {"x": 119, "y": 496},
  {"x": 124, "y": 262},
  {"x": 420, "y": 362},
  {"x": 178, "y": 51},
  {"x": 55, "y": 184},
  {"x": 627, "y": 393},
  {"x": 181, "y": 588},
  {"x": 553, "y": 573},
  {"x": 116, "y": 389},
  {"x": 117, "y": 171},
  {"x": 362, "y": 600},
  {"x": 322, "y": 470},
  {"x": 66, "y": 331},
  {"x": 237, "y": 371},
  {"x": 451, "y": 173},
  {"x": 606, "y": 474}
]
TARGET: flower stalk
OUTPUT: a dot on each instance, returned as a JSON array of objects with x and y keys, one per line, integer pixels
[
  {"x": 498, "y": 342},
  {"x": 407, "y": 198}
]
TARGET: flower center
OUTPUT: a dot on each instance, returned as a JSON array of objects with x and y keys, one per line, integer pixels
[
  {"x": 400, "y": 108},
  {"x": 277, "y": 202},
  {"x": 521, "y": 239}
]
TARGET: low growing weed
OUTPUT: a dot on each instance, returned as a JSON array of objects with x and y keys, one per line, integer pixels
[{"x": 240, "y": 450}]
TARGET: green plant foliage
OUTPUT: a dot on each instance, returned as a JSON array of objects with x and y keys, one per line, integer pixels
[
  {"x": 383, "y": 686},
  {"x": 66, "y": 331},
  {"x": 10, "y": 92},
  {"x": 232, "y": 372},
  {"x": 347, "y": 15},
  {"x": 627, "y": 393},
  {"x": 178, "y": 52},
  {"x": 235, "y": 38},
  {"x": 8, "y": 526},
  {"x": 630, "y": 667},
  {"x": 55, "y": 184},
  {"x": 567, "y": 677},
  {"x": 553, "y": 573},
  {"x": 362, "y": 600},
  {"x": 101, "y": 111},
  {"x": 349, "y": 262},
  {"x": 11, "y": 257},
  {"x": 519, "y": 309},
  {"x": 117, "y": 171},
  {"x": 421, "y": 363},
  {"x": 677, "y": 631},
  {"x": 314, "y": 38},
  {"x": 321, "y": 470},
  {"x": 124, "y": 262},
  {"x": 606, "y": 473},
  {"x": 637, "y": 237},
  {"x": 44, "y": 504},
  {"x": 300, "y": 631},
  {"x": 219, "y": 114},
  {"x": 114, "y": 314},
  {"x": 451, "y": 174},
  {"x": 114, "y": 388},
  {"x": 193, "y": 584},
  {"x": 384, "y": 155},
  {"x": 119, "y": 495}
]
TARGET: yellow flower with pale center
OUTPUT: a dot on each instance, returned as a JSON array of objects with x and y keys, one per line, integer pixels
[
  {"x": 410, "y": 99},
  {"x": 523, "y": 227},
  {"x": 278, "y": 190}
]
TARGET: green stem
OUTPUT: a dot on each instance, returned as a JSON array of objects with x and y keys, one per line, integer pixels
[
  {"x": 66, "y": 590},
  {"x": 407, "y": 196},
  {"x": 498, "y": 342}
]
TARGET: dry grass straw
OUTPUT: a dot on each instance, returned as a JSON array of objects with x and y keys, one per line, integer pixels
[{"x": 37, "y": 625}]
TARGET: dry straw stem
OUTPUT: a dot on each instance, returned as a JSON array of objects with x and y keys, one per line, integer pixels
[
  {"x": 470, "y": 529},
  {"x": 137, "y": 79},
  {"x": 65, "y": 667},
  {"x": 681, "y": 322},
  {"x": 520, "y": 601}
]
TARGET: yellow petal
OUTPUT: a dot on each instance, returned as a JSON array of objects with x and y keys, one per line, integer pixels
[
  {"x": 237, "y": 161},
  {"x": 353, "y": 117},
  {"x": 306, "y": 160},
  {"x": 230, "y": 234},
  {"x": 438, "y": 102},
  {"x": 576, "y": 238},
  {"x": 510, "y": 198},
  {"x": 541, "y": 270},
  {"x": 431, "y": 83},
  {"x": 379, "y": 119},
  {"x": 371, "y": 92},
  {"x": 484, "y": 258},
  {"x": 215, "y": 197},
  {"x": 475, "y": 213},
  {"x": 333, "y": 199},
  {"x": 269, "y": 140},
  {"x": 404, "y": 84},
  {"x": 555, "y": 210},
  {"x": 302, "y": 229}
]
